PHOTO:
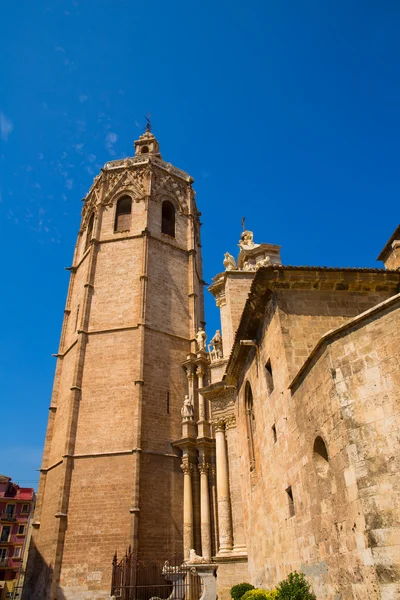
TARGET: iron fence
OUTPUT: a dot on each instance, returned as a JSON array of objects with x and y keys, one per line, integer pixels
[{"x": 172, "y": 579}]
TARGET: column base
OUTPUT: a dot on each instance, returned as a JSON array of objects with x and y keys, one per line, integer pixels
[
  {"x": 224, "y": 552},
  {"x": 240, "y": 549}
]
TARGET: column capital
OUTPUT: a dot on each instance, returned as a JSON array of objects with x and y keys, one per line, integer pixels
[
  {"x": 204, "y": 467},
  {"x": 200, "y": 370},
  {"x": 219, "y": 425},
  {"x": 189, "y": 371},
  {"x": 187, "y": 468}
]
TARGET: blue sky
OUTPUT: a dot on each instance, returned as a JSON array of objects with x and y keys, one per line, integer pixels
[{"x": 285, "y": 112}]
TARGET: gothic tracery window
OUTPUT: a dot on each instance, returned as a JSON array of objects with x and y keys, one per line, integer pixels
[
  {"x": 168, "y": 218},
  {"x": 123, "y": 214},
  {"x": 89, "y": 232},
  {"x": 250, "y": 423}
]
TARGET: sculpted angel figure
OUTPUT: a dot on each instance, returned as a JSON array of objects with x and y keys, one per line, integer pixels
[
  {"x": 201, "y": 337},
  {"x": 229, "y": 262}
]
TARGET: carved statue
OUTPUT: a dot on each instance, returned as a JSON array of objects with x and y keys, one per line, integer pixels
[
  {"x": 246, "y": 240},
  {"x": 229, "y": 262},
  {"x": 201, "y": 338},
  {"x": 264, "y": 262},
  {"x": 195, "y": 559},
  {"x": 187, "y": 410},
  {"x": 215, "y": 347}
]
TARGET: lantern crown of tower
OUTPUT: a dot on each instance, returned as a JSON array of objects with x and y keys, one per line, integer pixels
[{"x": 147, "y": 144}]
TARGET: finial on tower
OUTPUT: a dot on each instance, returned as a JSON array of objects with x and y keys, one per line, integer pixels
[
  {"x": 148, "y": 124},
  {"x": 147, "y": 143},
  {"x": 243, "y": 220}
]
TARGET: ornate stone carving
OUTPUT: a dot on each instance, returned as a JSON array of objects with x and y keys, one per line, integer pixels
[
  {"x": 229, "y": 262},
  {"x": 215, "y": 346},
  {"x": 189, "y": 372},
  {"x": 246, "y": 240},
  {"x": 230, "y": 422},
  {"x": 219, "y": 425},
  {"x": 200, "y": 371},
  {"x": 195, "y": 559},
  {"x": 201, "y": 338},
  {"x": 92, "y": 200},
  {"x": 132, "y": 182},
  {"x": 263, "y": 263},
  {"x": 165, "y": 184},
  {"x": 204, "y": 467},
  {"x": 187, "y": 410},
  {"x": 187, "y": 468},
  {"x": 221, "y": 403}
]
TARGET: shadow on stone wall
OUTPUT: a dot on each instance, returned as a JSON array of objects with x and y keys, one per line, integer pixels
[{"x": 38, "y": 577}]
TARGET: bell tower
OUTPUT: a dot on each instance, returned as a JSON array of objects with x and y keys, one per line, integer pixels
[{"x": 110, "y": 476}]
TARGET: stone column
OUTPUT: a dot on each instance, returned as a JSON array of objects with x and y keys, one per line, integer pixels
[
  {"x": 205, "y": 512},
  {"x": 239, "y": 546},
  {"x": 224, "y": 502},
  {"x": 188, "y": 540},
  {"x": 202, "y": 412},
  {"x": 213, "y": 480}
]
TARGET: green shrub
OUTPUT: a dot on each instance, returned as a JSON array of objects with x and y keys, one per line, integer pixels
[
  {"x": 237, "y": 591},
  {"x": 260, "y": 594},
  {"x": 295, "y": 587}
]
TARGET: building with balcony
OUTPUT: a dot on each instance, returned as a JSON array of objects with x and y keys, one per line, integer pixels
[{"x": 16, "y": 507}]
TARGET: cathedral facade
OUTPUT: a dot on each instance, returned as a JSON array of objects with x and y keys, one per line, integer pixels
[{"x": 274, "y": 447}]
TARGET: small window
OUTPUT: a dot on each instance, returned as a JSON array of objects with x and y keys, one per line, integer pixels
[
  {"x": 167, "y": 403},
  {"x": 21, "y": 530},
  {"x": 25, "y": 507},
  {"x": 320, "y": 456},
  {"x": 168, "y": 219},
  {"x": 17, "y": 551},
  {"x": 291, "y": 501},
  {"x": 3, "y": 553},
  {"x": 123, "y": 214},
  {"x": 274, "y": 434},
  {"x": 10, "y": 510},
  {"x": 145, "y": 150},
  {"x": 270, "y": 379},
  {"x": 5, "y": 533},
  {"x": 89, "y": 233}
]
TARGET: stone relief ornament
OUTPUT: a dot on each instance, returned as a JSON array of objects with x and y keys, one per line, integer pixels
[
  {"x": 229, "y": 262},
  {"x": 187, "y": 410},
  {"x": 165, "y": 184},
  {"x": 215, "y": 346},
  {"x": 201, "y": 338}
]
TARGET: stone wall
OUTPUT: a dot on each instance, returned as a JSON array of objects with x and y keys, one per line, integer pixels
[
  {"x": 344, "y": 531},
  {"x": 110, "y": 476}
]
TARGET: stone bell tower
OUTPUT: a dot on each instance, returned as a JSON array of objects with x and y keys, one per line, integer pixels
[{"x": 110, "y": 476}]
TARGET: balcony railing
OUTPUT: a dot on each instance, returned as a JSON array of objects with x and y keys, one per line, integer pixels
[
  {"x": 10, "y": 517},
  {"x": 4, "y": 562}
]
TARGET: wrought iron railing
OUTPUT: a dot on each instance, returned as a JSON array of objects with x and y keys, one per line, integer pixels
[
  {"x": 8, "y": 517},
  {"x": 134, "y": 579}
]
